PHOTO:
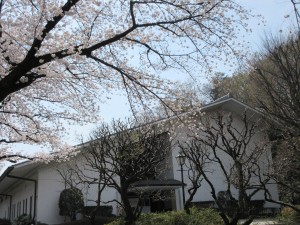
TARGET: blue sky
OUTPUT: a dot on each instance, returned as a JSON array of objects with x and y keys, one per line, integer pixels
[{"x": 275, "y": 13}]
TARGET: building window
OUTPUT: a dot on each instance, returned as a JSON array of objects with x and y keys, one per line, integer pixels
[
  {"x": 17, "y": 213},
  {"x": 30, "y": 206},
  {"x": 26, "y": 205},
  {"x": 14, "y": 211},
  {"x": 20, "y": 204},
  {"x": 23, "y": 207}
]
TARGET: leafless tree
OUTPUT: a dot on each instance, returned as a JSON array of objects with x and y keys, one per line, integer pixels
[
  {"x": 221, "y": 145},
  {"x": 74, "y": 175},
  {"x": 119, "y": 155},
  {"x": 272, "y": 84},
  {"x": 295, "y": 4},
  {"x": 277, "y": 72},
  {"x": 285, "y": 173},
  {"x": 196, "y": 165}
]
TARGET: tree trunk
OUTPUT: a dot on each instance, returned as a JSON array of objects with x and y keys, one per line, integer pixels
[
  {"x": 129, "y": 217},
  {"x": 188, "y": 202}
]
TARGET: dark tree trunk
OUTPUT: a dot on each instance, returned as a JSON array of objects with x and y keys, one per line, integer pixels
[{"x": 129, "y": 214}]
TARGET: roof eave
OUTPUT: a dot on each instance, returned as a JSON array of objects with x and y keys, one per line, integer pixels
[{"x": 6, "y": 172}]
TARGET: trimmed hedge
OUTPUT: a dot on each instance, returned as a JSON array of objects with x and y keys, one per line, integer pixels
[
  {"x": 197, "y": 216},
  {"x": 103, "y": 210},
  {"x": 70, "y": 202}
]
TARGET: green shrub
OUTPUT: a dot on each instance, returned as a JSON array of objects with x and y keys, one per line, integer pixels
[
  {"x": 119, "y": 221},
  {"x": 287, "y": 212},
  {"x": 22, "y": 220},
  {"x": 197, "y": 216},
  {"x": 205, "y": 217},
  {"x": 168, "y": 218},
  {"x": 70, "y": 202},
  {"x": 290, "y": 216}
]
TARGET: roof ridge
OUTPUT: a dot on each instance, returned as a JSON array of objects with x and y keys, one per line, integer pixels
[{"x": 227, "y": 96}]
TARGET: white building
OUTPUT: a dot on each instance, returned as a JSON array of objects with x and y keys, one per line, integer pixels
[{"x": 34, "y": 188}]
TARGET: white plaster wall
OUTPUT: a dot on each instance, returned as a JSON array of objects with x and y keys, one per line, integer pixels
[
  {"x": 107, "y": 195},
  {"x": 165, "y": 169},
  {"x": 4, "y": 207},
  {"x": 216, "y": 176},
  {"x": 50, "y": 185},
  {"x": 90, "y": 192},
  {"x": 20, "y": 192}
]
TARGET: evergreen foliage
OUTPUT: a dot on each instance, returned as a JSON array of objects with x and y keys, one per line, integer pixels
[{"x": 70, "y": 202}]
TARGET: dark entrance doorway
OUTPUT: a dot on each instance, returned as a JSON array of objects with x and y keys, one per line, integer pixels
[{"x": 157, "y": 206}]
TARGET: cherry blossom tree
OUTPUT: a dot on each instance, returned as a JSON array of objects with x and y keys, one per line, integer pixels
[{"x": 60, "y": 58}]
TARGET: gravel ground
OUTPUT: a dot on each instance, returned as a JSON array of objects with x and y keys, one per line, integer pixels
[{"x": 264, "y": 222}]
